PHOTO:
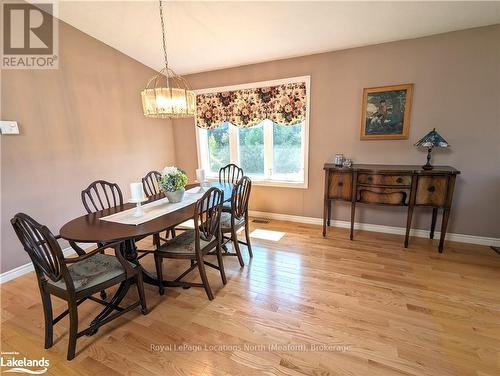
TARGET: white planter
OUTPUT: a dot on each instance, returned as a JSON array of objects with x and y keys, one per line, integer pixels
[{"x": 175, "y": 196}]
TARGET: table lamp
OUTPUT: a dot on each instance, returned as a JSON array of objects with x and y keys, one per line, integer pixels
[{"x": 431, "y": 140}]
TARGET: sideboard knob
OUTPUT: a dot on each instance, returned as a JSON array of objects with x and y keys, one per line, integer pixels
[
  {"x": 431, "y": 188},
  {"x": 340, "y": 184},
  {"x": 399, "y": 180}
]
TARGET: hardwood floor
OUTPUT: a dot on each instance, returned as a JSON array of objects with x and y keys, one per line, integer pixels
[{"x": 382, "y": 309}]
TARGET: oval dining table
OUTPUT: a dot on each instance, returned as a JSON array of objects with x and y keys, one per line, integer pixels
[{"x": 90, "y": 228}]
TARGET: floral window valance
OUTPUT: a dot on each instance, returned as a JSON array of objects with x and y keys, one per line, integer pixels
[{"x": 282, "y": 104}]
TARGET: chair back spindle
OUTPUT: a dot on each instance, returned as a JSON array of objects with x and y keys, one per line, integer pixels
[
  {"x": 207, "y": 214},
  {"x": 101, "y": 195},
  {"x": 41, "y": 245},
  {"x": 230, "y": 173},
  {"x": 241, "y": 197},
  {"x": 150, "y": 183}
]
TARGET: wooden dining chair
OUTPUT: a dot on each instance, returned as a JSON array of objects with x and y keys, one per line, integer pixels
[
  {"x": 237, "y": 217},
  {"x": 150, "y": 183},
  {"x": 151, "y": 188},
  {"x": 101, "y": 195},
  {"x": 195, "y": 244},
  {"x": 231, "y": 174},
  {"x": 75, "y": 279}
]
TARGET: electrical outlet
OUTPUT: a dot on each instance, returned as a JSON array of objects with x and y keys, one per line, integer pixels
[{"x": 9, "y": 127}]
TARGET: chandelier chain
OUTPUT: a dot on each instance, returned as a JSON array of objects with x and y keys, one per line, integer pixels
[
  {"x": 159, "y": 99},
  {"x": 163, "y": 32}
]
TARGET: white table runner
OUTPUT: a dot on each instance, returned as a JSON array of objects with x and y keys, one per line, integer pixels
[{"x": 154, "y": 209}]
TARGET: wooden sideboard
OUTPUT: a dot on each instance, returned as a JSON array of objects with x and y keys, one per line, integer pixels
[{"x": 394, "y": 185}]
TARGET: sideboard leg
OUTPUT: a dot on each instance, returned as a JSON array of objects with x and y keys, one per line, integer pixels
[
  {"x": 329, "y": 213},
  {"x": 433, "y": 222},
  {"x": 444, "y": 224},
  {"x": 354, "y": 197},
  {"x": 411, "y": 205},
  {"x": 324, "y": 217},
  {"x": 326, "y": 202},
  {"x": 353, "y": 210},
  {"x": 408, "y": 225}
]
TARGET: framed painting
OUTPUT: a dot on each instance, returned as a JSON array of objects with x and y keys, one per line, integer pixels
[{"x": 385, "y": 113}]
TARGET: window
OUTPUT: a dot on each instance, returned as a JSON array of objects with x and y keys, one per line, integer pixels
[
  {"x": 251, "y": 150},
  {"x": 269, "y": 153},
  {"x": 218, "y": 147},
  {"x": 288, "y": 164}
]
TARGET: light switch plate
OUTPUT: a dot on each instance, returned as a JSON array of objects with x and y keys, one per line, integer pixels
[{"x": 9, "y": 127}]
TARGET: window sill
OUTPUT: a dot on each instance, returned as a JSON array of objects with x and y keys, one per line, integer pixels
[{"x": 272, "y": 183}]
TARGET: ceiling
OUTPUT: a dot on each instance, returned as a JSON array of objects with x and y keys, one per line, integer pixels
[{"x": 205, "y": 36}]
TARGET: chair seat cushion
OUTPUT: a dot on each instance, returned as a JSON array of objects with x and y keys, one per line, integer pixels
[
  {"x": 92, "y": 271},
  {"x": 182, "y": 244},
  {"x": 225, "y": 221}
]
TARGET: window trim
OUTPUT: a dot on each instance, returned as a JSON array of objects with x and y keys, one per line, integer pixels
[{"x": 233, "y": 135}]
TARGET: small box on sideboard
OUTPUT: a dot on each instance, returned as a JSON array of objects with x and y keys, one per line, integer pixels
[{"x": 396, "y": 185}]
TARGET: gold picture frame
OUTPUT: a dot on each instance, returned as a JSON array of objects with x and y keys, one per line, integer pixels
[{"x": 385, "y": 112}]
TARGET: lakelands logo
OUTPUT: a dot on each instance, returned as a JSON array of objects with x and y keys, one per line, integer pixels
[
  {"x": 11, "y": 362},
  {"x": 30, "y": 36}
]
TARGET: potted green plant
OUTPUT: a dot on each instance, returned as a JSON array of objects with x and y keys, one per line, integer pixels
[{"x": 172, "y": 183}]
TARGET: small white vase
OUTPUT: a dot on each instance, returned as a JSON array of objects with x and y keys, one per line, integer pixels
[{"x": 175, "y": 196}]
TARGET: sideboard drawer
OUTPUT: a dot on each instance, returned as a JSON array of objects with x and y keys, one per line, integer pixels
[
  {"x": 340, "y": 186},
  {"x": 387, "y": 196},
  {"x": 379, "y": 179},
  {"x": 431, "y": 190}
]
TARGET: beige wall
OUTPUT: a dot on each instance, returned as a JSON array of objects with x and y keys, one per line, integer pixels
[
  {"x": 457, "y": 90},
  {"x": 78, "y": 123}
]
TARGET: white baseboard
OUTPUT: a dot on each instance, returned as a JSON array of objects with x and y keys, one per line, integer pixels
[
  {"x": 26, "y": 268},
  {"x": 472, "y": 239}
]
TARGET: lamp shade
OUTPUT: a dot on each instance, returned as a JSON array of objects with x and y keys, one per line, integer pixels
[
  {"x": 167, "y": 96},
  {"x": 431, "y": 140}
]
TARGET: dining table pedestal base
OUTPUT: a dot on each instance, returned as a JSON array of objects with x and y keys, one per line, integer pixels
[{"x": 130, "y": 253}]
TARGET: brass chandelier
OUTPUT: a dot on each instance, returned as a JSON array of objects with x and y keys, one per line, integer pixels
[{"x": 167, "y": 95}]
